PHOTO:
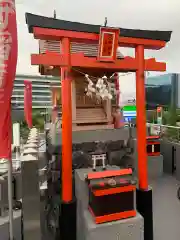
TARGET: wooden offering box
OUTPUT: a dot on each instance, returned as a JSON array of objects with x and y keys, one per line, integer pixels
[
  {"x": 153, "y": 145},
  {"x": 111, "y": 195}
]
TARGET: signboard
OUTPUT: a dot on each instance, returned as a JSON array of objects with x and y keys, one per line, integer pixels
[
  {"x": 159, "y": 115},
  {"x": 108, "y": 44},
  {"x": 155, "y": 130},
  {"x": 129, "y": 113}
]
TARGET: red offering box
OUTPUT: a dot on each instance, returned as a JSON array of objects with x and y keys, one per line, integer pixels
[
  {"x": 111, "y": 195},
  {"x": 153, "y": 146}
]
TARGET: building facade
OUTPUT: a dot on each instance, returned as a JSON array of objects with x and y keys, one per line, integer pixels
[
  {"x": 41, "y": 91},
  {"x": 163, "y": 90}
]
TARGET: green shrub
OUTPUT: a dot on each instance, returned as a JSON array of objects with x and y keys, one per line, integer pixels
[{"x": 38, "y": 122}]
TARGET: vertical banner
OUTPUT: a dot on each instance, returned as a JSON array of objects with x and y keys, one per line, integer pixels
[
  {"x": 28, "y": 102},
  {"x": 8, "y": 62},
  {"x": 117, "y": 89}
]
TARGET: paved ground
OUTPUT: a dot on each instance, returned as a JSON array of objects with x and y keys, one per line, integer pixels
[{"x": 166, "y": 209}]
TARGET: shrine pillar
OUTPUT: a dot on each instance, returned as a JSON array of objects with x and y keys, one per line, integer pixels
[
  {"x": 144, "y": 193},
  {"x": 108, "y": 110},
  {"x": 141, "y": 119},
  {"x": 68, "y": 206},
  {"x": 73, "y": 91}
]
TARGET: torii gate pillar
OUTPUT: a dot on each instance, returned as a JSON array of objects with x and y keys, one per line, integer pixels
[
  {"x": 144, "y": 193},
  {"x": 68, "y": 206}
]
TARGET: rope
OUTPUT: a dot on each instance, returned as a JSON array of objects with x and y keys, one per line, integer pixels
[{"x": 82, "y": 73}]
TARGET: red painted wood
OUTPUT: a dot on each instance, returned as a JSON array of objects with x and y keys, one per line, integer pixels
[
  {"x": 108, "y": 44},
  {"x": 79, "y": 60},
  {"x": 141, "y": 120},
  {"x": 56, "y": 34},
  {"x": 66, "y": 125}
]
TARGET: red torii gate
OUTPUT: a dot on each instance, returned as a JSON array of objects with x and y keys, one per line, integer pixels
[{"x": 67, "y": 32}]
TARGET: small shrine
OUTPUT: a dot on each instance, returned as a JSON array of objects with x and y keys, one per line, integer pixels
[
  {"x": 88, "y": 110},
  {"x": 80, "y": 53},
  {"x": 91, "y": 53}
]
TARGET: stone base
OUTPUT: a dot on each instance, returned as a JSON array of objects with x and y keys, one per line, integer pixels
[
  {"x": 4, "y": 226},
  {"x": 131, "y": 228},
  {"x": 155, "y": 164},
  {"x": 68, "y": 220},
  {"x": 155, "y": 167},
  {"x": 87, "y": 229},
  {"x": 145, "y": 207}
]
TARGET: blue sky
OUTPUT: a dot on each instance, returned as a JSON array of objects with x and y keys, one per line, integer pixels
[{"x": 140, "y": 14}]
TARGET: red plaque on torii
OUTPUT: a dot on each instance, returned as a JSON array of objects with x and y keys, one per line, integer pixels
[{"x": 108, "y": 44}]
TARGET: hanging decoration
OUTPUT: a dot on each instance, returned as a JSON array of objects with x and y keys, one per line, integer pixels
[{"x": 101, "y": 88}]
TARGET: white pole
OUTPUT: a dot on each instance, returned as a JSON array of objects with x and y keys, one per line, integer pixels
[
  {"x": 10, "y": 200},
  {"x": 16, "y": 143}
]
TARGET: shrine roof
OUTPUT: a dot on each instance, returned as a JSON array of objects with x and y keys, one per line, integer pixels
[{"x": 52, "y": 23}]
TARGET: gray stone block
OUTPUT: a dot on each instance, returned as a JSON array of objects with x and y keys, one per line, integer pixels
[
  {"x": 167, "y": 152},
  {"x": 126, "y": 229},
  {"x": 116, "y": 156},
  {"x": 177, "y": 160},
  {"x": 4, "y": 226},
  {"x": 154, "y": 163},
  {"x": 87, "y": 229},
  {"x": 155, "y": 167}
]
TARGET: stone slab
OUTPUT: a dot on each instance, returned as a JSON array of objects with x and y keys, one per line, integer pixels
[
  {"x": 4, "y": 226},
  {"x": 155, "y": 167},
  {"x": 167, "y": 152},
  {"x": 155, "y": 164},
  {"x": 126, "y": 229}
]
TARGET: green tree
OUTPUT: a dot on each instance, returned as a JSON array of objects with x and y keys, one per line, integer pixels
[
  {"x": 170, "y": 119},
  {"x": 37, "y": 120}
]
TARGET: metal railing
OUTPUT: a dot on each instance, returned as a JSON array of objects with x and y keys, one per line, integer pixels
[{"x": 172, "y": 133}]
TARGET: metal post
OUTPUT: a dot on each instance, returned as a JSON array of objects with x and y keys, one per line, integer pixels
[{"x": 10, "y": 201}]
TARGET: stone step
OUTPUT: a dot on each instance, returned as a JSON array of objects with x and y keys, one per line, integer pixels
[{"x": 92, "y": 127}]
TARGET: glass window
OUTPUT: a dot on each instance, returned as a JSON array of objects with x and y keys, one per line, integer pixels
[{"x": 158, "y": 90}]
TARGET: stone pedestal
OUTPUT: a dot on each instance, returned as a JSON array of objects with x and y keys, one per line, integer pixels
[
  {"x": 155, "y": 167},
  {"x": 131, "y": 228},
  {"x": 126, "y": 229},
  {"x": 155, "y": 164}
]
